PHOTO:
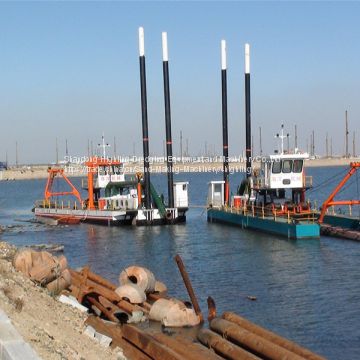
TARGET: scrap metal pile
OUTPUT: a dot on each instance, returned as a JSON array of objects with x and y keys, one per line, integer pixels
[{"x": 127, "y": 315}]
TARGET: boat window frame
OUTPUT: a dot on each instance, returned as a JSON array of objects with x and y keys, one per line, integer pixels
[
  {"x": 301, "y": 167},
  {"x": 289, "y": 170},
  {"x": 273, "y": 165}
]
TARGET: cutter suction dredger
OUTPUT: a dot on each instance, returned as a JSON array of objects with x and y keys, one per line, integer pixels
[
  {"x": 270, "y": 199},
  {"x": 113, "y": 198}
]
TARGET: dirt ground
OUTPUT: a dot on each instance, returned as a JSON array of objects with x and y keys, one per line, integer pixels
[{"x": 54, "y": 330}]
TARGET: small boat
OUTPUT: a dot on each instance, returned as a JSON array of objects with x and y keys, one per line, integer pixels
[
  {"x": 112, "y": 199},
  {"x": 271, "y": 200}
]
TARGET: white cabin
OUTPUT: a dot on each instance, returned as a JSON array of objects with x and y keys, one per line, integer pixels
[
  {"x": 216, "y": 193},
  {"x": 181, "y": 197},
  {"x": 282, "y": 171},
  {"x": 109, "y": 173}
]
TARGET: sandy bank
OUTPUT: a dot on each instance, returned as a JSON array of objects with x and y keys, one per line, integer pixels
[
  {"x": 54, "y": 330},
  {"x": 40, "y": 171}
]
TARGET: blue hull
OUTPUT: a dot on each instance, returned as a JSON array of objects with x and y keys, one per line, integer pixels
[
  {"x": 303, "y": 230},
  {"x": 345, "y": 222}
]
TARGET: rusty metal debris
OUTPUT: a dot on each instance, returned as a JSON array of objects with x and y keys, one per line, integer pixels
[
  {"x": 223, "y": 347},
  {"x": 269, "y": 335},
  {"x": 162, "y": 328},
  {"x": 188, "y": 286}
]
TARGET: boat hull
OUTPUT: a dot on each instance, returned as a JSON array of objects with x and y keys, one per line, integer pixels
[
  {"x": 345, "y": 222},
  {"x": 301, "y": 230},
  {"x": 108, "y": 217}
]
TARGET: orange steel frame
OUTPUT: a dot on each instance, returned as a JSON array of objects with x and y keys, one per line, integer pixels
[
  {"x": 330, "y": 200},
  {"x": 48, "y": 189},
  {"x": 91, "y": 166}
]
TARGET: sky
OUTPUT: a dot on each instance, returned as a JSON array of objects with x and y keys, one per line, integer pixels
[{"x": 70, "y": 71}]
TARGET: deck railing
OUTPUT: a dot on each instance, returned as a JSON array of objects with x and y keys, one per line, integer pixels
[
  {"x": 274, "y": 214},
  {"x": 60, "y": 205}
]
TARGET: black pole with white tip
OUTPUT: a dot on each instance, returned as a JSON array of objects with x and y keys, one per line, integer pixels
[
  {"x": 247, "y": 110},
  {"x": 169, "y": 154},
  {"x": 145, "y": 130},
  {"x": 225, "y": 122}
]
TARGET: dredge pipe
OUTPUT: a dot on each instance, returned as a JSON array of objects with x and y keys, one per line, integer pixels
[
  {"x": 185, "y": 348},
  {"x": 100, "y": 280},
  {"x": 169, "y": 156},
  {"x": 225, "y": 122},
  {"x": 247, "y": 111},
  {"x": 223, "y": 347},
  {"x": 269, "y": 335},
  {"x": 189, "y": 287},
  {"x": 145, "y": 129},
  {"x": 251, "y": 342},
  {"x": 149, "y": 345},
  {"x": 103, "y": 309}
]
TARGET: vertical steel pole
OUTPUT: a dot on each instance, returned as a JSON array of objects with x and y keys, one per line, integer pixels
[
  {"x": 169, "y": 155},
  {"x": 247, "y": 110},
  {"x": 145, "y": 130},
  {"x": 225, "y": 121}
]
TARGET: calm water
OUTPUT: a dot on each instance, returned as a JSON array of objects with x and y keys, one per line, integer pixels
[{"x": 308, "y": 291}]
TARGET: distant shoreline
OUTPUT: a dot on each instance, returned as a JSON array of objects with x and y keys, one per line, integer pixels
[{"x": 40, "y": 171}]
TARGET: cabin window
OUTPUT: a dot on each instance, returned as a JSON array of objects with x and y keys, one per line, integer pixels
[
  {"x": 101, "y": 170},
  {"x": 276, "y": 167},
  {"x": 117, "y": 170},
  {"x": 217, "y": 188},
  {"x": 184, "y": 187},
  {"x": 286, "y": 166},
  {"x": 298, "y": 165}
]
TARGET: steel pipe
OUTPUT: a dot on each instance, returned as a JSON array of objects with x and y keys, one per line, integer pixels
[
  {"x": 270, "y": 336},
  {"x": 223, "y": 347},
  {"x": 251, "y": 341}
]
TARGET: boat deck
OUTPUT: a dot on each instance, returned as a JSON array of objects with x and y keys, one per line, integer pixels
[{"x": 296, "y": 227}]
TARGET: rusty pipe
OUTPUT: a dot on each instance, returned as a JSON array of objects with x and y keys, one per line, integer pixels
[
  {"x": 269, "y": 335},
  {"x": 223, "y": 347},
  {"x": 103, "y": 309},
  {"x": 211, "y": 308},
  {"x": 149, "y": 345},
  {"x": 92, "y": 285},
  {"x": 251, "y": 341},
  {"x": 189, "y": 287},
  {"x": 101, "y": 281},
  {"x": 186, "y": 348}
]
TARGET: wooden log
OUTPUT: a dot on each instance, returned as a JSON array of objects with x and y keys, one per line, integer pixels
[
  {"x": 251, "y": 341},
  {"x": 274, "y": 338},
  {"x": 149, "y": 345},
  {"x": 224, "y": 348}
]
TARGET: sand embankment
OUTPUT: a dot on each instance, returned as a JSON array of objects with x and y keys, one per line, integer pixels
[
  {"x": 54, "y": 330},
  {"x": 40, "y": 171}
]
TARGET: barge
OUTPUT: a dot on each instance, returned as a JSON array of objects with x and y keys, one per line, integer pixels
[
  {"x": 111, "y": 198},
  {"x": 271, "y": 200}
]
